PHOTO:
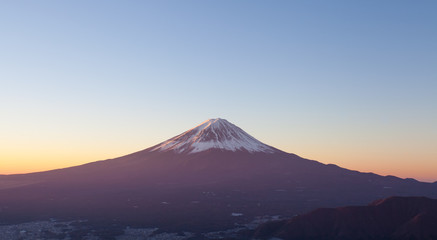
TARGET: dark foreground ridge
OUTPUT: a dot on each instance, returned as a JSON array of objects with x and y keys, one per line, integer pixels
[{"x": 394, "y": 218}]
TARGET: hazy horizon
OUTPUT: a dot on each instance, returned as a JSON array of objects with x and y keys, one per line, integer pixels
[{"x": 348, "y": 83}]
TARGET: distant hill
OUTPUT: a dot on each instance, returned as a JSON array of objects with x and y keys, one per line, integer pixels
[{"x": 394, "y": 218}]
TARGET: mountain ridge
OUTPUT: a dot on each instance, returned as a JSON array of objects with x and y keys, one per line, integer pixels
[{"x": 393, "y": 218}]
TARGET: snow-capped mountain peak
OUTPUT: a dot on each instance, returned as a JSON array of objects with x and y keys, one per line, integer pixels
[{"x": 214, "y": 133}]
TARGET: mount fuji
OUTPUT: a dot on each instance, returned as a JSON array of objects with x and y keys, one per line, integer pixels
[{"x": 210, "y": 177}]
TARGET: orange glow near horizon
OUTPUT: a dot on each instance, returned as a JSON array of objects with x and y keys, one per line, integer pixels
[
  {"x": 28, "y": 162},
  {"x": 38, "y": 160},
  {"x": 394, "y": 165},
  {"x": 21, "y": 164},
  {"x": 385, "y": 154}
]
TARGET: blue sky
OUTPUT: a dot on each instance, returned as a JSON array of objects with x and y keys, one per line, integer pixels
[{"x": 347, "y": 82}]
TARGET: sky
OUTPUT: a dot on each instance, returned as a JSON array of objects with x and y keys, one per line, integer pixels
[{"x": 352, "y": 83}]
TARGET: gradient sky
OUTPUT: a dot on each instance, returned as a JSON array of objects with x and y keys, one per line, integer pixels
[{"x": 352, "y": 83}]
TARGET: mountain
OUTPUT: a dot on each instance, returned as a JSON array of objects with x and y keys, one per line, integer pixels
[
  {"x": 394, "y": 218},
  {"x": 208, "y": 178}
]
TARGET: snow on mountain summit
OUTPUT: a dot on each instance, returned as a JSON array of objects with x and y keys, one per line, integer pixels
[{"x": 214, "y": 134}]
